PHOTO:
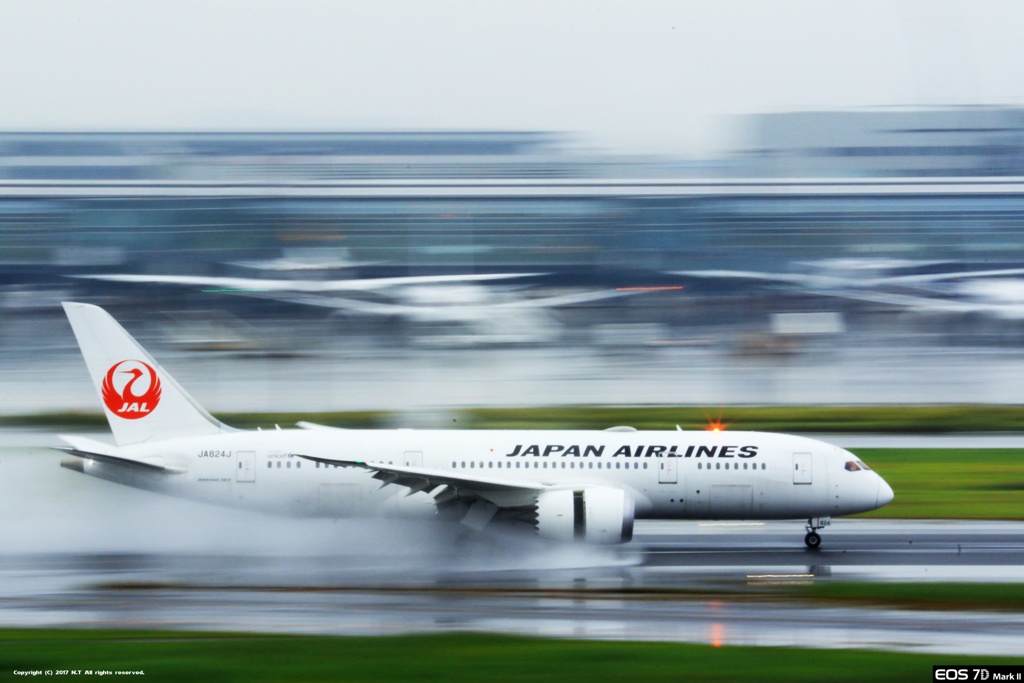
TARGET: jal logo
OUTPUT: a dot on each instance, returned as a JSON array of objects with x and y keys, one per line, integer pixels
[{"x": 131, "y": 389}]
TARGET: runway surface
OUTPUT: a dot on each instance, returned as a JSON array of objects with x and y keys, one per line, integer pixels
[
  {"x": 87, "y": 553},
  {"x": 602, "y": 594}
]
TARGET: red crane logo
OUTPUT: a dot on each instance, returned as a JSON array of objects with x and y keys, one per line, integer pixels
[{"x": 122, "y": 397}]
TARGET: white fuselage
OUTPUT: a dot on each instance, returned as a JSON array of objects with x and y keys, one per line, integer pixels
[{"x": 669, "y": 474}]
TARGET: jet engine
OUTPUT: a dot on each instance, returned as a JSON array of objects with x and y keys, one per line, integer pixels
[{"x": 592, "y": 514}]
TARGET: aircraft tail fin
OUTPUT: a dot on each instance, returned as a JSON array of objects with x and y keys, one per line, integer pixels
[{"x": 141, "y": 400}]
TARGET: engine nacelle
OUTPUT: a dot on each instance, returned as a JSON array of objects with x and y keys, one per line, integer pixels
[{"x": 592, "y": 514}]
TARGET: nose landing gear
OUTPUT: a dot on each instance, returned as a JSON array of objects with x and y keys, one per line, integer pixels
[{"x": 813, "y": 539}]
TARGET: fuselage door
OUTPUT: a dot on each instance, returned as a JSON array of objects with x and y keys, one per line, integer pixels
[
  {"x": 413, "y": 459},
  {"x": 802, "y": 468},
  {"x": 245, "y": 470},
  {"x": 667, "y": 473}
]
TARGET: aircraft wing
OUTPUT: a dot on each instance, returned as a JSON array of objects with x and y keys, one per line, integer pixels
[
  {"x": 812, "y": 280},
  {"x": 871, "y": 290},
  {"x": 929, "y": 304},
  {"x": 500, "y": 493},
  {"x": 250, "y": 285},
  {"x": 926, "y": 278},
  {"x": 94, "y": 450},
  {"x": 425, "y": 311}
]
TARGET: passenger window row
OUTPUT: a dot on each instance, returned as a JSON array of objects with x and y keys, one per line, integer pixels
[
  {"x": 570, "y": 465},
  {"x": 288, "y": 464},
  {"x": 735, "y": 466},
  {"x": 538, "y": 465}
]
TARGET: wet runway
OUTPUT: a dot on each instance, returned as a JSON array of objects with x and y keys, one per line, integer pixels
[
  {"x": 853, "y": 549},
  {"x": 677, "y": 581}
]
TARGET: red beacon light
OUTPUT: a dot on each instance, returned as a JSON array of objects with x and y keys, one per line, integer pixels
[{"x": 716, "y": 425}]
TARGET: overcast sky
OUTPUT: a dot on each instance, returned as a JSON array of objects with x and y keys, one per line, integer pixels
[{"x": 627, "y": 76}]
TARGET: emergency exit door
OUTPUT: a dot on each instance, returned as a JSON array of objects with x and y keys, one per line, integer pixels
[
  {"x": 245, "y": 470},
  {"x": 667, "y": 473},
  {"x": 802, "y": 466}
]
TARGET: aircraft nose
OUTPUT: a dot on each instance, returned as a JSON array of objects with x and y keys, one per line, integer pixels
[{"x": 885, "y": 494}]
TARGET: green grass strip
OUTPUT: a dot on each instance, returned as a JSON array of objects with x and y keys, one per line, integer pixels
[
  {"x": 807, "y": 419},
  {"x": 950, "y": 483},
  {"x": 173, "y": 656}
]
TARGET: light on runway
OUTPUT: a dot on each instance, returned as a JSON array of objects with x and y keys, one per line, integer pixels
[
  {"x": 717, "y": 635},
  {"x": 780, "y": 579},
  {"x": 780, "y": 576}
]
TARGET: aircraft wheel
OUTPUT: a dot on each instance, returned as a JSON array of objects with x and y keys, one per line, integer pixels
[{"x": 813, "y": 540}]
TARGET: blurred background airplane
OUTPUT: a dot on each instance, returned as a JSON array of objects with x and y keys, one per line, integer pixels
[
  {"x": 446, "y": 310},
  {"x": 921, "y": 286}
]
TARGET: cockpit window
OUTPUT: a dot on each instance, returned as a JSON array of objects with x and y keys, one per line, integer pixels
[
  {"x": 863, "y": 466},
  {"x": 851, "y": 466}
]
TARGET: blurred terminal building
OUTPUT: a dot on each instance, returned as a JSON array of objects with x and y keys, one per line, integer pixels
[{"x": 798, "y": 191}]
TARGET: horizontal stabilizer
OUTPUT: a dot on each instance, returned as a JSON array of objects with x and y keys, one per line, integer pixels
[
  {"x": 99, "y": 451},
  {"x": 152, "y": 464}
]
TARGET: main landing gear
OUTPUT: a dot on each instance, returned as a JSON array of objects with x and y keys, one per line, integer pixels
[{"x": 812, "y": 539}]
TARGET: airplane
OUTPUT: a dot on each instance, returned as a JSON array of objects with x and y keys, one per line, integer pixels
[
  {"x": 467, "y": 312},
  {"x": 995, "y": 292},
  {"x": 572, "y": 486}
]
